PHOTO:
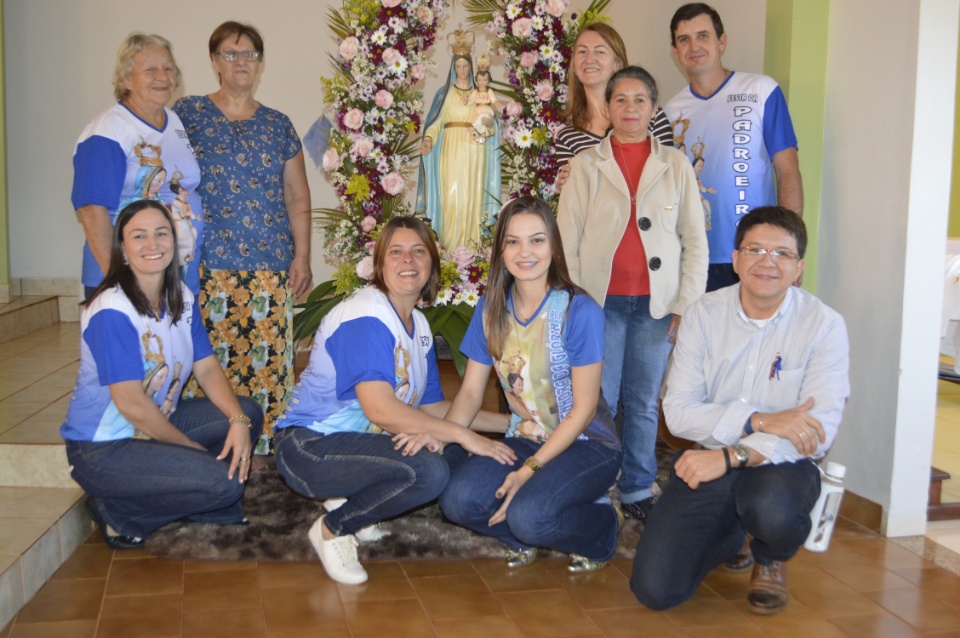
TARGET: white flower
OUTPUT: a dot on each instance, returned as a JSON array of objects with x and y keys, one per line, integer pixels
[
  {"x": 546, "y": 52},
  {"x": 537, "y": 23},
  {"x": 470, "y": 297},
  {"x": 512, "y": 11},
  {"x": 523, "y": 138},
  {"x": 443, "y": 297},
  {"x": 379, "y": 36}
]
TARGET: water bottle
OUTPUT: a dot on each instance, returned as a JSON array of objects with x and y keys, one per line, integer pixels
[{"x": 824, "y": 514}]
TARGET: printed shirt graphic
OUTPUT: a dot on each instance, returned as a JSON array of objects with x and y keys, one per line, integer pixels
[
  {"x": 535, "y": 369},
  {"x": 247, "y": 227},
  {"x": 362, "y": 339},
  {"x": 118, "y": 344},
  {"x": 119, "y": 158},
  {"x": 730, "y": 137}
]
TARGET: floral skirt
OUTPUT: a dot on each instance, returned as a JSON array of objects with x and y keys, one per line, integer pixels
[{"x": 249, "y": 317}]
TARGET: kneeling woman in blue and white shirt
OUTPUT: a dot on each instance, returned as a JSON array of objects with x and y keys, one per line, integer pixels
[
  {"x": 544, "y": 337},
  {"x": 145, "y": 457},
  {"x": 371, "y": 368}
]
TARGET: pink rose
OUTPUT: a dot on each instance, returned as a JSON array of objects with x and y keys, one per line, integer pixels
[
  {"x": 544, "y": 90},
  {"x": 368, "y": 224},
  {"x": 353, "y": 119},
  {"x": 365, "y": 268},
  {"x": 557, "y": 8},
  {"x": 392, "y": 183},
  {"x": 370, "y": 246},
  {"x": 390, "y": 55},
  {"x": 389, "y": 3},
  {"x": 463, "y": 257},
  {"x": 513, "y": 108},
  {"x": 384, "y": 99},
  {"x": 528, "y": 59},
  {"x": 349, "y": 48},
  {"x": 522, "y": 27},
  {"x": 331, "y": 160},
  {"x": 362, "y": 146},
  {"x": 416, "y": 72},
  {"x": 425, "y": 15}
]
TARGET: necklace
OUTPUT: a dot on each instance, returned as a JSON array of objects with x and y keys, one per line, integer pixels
[
  {"x": 632, "y": 191},
  {"x": 155, "y": 308}
]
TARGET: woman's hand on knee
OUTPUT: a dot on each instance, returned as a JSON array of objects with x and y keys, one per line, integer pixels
[
  {"x": 237, "y": 442},
  {"x": 410, "y": 444},
  {"x": 513, "y": 482}
]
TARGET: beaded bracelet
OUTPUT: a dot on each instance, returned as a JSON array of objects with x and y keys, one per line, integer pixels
[{"x": 243, "y": 419}]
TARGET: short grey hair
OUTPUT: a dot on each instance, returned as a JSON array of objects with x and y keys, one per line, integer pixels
[
  {"x": 129, "y": 48},
  {"x": 632, "y": 73}
]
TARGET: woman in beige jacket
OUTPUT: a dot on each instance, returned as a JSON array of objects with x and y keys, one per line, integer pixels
[{"x": 634, "y": 238}]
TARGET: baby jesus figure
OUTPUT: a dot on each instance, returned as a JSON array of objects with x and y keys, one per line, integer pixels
[{"x": 485, "y": 102}]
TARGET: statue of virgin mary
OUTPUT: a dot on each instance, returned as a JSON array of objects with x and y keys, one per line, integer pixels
[{"x": 459, "y": 182}]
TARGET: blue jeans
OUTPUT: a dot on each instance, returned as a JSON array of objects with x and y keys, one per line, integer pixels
[
  {"x": 635, "y": 355},
  {"x": 690, "y": 532},
  {"x": 377, "y": 480},
  {"x": 141, "y": 485},
  {"x": 554, "y": 509}
]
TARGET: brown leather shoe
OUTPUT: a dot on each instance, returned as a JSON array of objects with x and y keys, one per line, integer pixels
[
  {"x": 742, "y": 560},
  {"x": 768, "y": 588}
]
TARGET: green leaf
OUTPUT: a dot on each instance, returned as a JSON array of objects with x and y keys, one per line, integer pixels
[{"x": 306, "y": 323}]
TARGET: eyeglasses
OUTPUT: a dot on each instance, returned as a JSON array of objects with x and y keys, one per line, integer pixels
[
  {"x": 775, "y": 255},
  {"x": 231, "y": 56}
]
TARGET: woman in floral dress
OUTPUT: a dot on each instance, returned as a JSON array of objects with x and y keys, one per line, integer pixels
[{"x": 257, "y": 205}]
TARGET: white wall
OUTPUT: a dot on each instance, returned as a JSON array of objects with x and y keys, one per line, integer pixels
[
  {"x": 60, "y": 55},
  {"x": 886, "y": 177}
]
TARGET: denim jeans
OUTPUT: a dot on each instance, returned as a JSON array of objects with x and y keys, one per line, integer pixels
[
  {"x": 376, "y": 479},
  {"x": 690, "y": 532},
  {"x": 554, "y": 509},
  {"x": 635, "y": 355},
  {"x": 141, "y": 485}
]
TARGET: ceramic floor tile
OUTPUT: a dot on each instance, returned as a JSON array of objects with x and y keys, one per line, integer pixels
[
  {"x": 636, "y": 622},
  {"x": 387, "y": 582},
  {"x": 868, "y": 577},
  {"x": 458, "y": 596},
  {"x": 500, "y": 578},
  {"x": 414, "y": 568},
  {"x": 922, "y": 611},
  {"x": 741, "y": 630},
  {"x": 135, "y": 576},
  {"x": 87, "y": 561},
  {"x": 63, "y": 629},
  {"x": 316, "y": 609},
  {"x": 18, "y": 534},
  {"x": 247, "y": 622},
  {"x": 394, "y": 618},
  {"x": 602, "y": 589},
  {"x": 221, "y": 590},
  {"x": 795, "y": 621},
  {"x": 74, "y": 599},
  {"x": 499, "y": 626},
  {"x": 153, "y": 616},
  {"x": 829, "y": 596},
  {"x": 885, "y": 553},
  {"x": 302, "y": 575},
  {"x": 874, "y": 626},
  {"x": 547, "y": 613},
  {"x": 704, "y": 609}
]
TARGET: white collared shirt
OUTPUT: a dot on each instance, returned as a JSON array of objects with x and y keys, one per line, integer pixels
[{"x": 725, "y": 367}]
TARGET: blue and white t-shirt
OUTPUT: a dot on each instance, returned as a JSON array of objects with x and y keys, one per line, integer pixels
[
  {"x": 362, "y": 339},
  {"x": 119, "y": 344},
  {"x": 731, "y": 138},
  {"x": 119, "y": 158},
  {"x": 535, "y": 366}
]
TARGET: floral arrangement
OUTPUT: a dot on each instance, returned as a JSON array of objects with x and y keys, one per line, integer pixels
[
  {"x": 536, "y": 45},
  {"x": 377, "y": 116}
]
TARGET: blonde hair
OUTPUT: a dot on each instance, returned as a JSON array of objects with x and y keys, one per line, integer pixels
[
  {"x": 129, "y": 48},
  {"x": 577, "y": 113}
]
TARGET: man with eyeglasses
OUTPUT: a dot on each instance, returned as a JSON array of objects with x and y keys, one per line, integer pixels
[
  {"x": 758, "y": 381},
  {"x": 736, "y": 129}
]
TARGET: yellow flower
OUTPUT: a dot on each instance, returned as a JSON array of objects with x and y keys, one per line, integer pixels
[{"x": 359, "y": 187}]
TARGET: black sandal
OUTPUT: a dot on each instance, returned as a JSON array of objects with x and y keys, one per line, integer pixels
[{"x": 118, "y": 541}]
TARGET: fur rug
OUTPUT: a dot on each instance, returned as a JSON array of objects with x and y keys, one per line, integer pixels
[{"x": 279, "y": 520}]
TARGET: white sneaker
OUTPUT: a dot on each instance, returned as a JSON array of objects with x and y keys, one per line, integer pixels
[
  {"x": 338, "y": 555},
  {"x": 369, "y": 534}
]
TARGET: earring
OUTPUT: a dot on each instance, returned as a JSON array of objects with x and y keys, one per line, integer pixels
[{"x": 125, "y": 262}]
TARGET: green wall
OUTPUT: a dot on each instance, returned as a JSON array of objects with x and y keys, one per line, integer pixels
[
  {"x": 795, "y": 55},
  {"x": 953, "y": 225}
]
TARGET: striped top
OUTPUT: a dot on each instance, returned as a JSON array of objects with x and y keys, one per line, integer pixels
[{"x": 571, "y": 141}]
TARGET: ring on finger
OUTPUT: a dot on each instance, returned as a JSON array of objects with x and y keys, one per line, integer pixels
[{"x": 802, "y": 434}]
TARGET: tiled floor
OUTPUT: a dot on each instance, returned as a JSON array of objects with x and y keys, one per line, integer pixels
[{"x": 864, "y": 586}]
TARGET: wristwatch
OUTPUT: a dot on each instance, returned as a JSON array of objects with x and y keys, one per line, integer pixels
[{"x": 742, "y": 453}]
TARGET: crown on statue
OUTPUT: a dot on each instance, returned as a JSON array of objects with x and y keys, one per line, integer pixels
[
  {"x": 698, "y": 148},
  {"x": 461, "y": 41},
  {"x": 483, "y": 62},
  {"x": 145, "y": 159},
  {"x": 177, "y": 175}
]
